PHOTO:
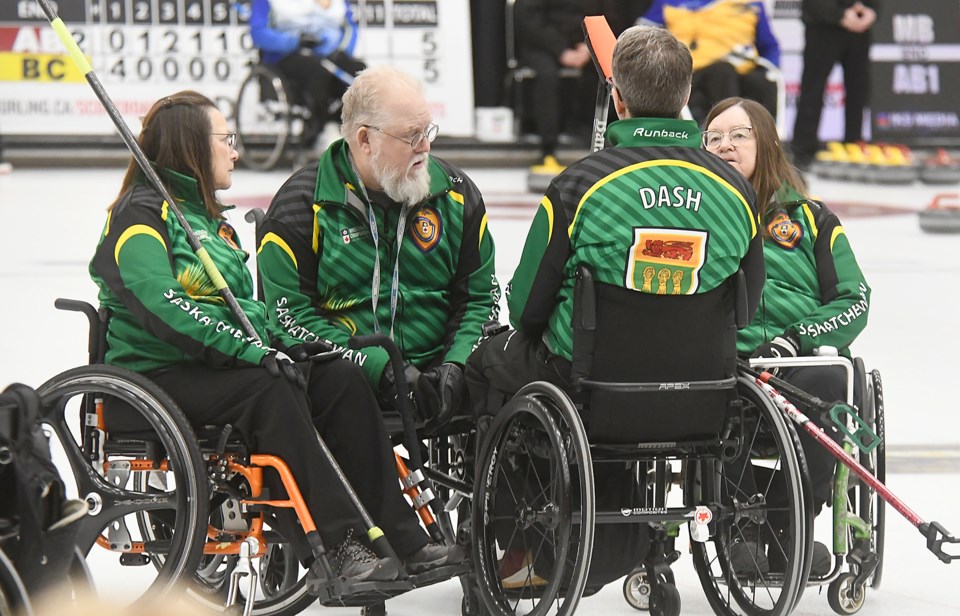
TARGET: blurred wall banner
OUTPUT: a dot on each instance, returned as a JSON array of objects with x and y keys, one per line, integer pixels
[
  {"x": 916, "y": 73},
  {"x": 144, "y": 49}
]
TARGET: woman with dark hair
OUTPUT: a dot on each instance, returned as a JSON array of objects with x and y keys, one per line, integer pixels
[
  {"x": 815, "y": 294},
  {"x": 169, "y": 323}
]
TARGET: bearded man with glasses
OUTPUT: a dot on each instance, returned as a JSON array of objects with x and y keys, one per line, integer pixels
[{"x": 379, "y": 236}]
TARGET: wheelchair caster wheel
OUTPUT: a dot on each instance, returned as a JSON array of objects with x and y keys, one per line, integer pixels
[
  {"x": 843, "y": 597},
  {"x": 636, "y": 590},
  {"x": 376, "y": 609},
  {"x": 665, "y": 600}
]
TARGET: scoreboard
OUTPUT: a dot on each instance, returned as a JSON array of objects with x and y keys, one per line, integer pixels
[
  {"x": 916, "y": 73},
  {"x": 142, "y": 50}
]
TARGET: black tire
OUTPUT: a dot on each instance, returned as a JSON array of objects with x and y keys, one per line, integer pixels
[
  {"x": 871, "y": 508},
  {"x": 169, "y": 521},
  {"x": 665, "y": 600},
  {"x": 771, "y": 445},
  {"x": 525, "y": 505},
  {"x": 842, "y": 597},
  {"x": 263, "y": 117}
]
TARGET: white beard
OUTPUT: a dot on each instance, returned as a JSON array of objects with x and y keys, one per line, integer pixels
[{"x": 407, "y": 190}]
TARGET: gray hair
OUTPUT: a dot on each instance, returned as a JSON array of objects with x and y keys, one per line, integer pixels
[
  {"x": 652, "y": 70},
  {"x": 365, "y": 99}
]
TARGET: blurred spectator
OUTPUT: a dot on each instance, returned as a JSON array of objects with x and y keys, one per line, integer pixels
[
  {"x": 836, "y": 31},
  {"x": 311, "y": 43},
  {"x": 549, "y": 35},
  {"x": 726, "y": 38}
]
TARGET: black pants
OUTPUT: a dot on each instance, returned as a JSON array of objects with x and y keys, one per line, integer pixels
[
  {"x": 721, "y": 80},
  {"x": 828, "y": 384},
  {"x": 550, "y": 105},
  {"x": 276, "y": 418},
  {"x": 503, "y": 364},
  {"x": 319, "y": 88},
  {"x": 826, "y": 46}
]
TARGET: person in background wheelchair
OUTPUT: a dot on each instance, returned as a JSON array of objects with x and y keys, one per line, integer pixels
[
  {"x": 613, "y": 212},
  {"x": 169, "y": 323},
  {"x": 381, "y": 236},
  {"x": 815, "y": 294},
  {"x": 730, "y": 40},
  {"x": 311, "y": 43}
]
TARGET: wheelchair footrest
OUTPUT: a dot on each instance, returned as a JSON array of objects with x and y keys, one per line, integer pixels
[
  {"x": 359, "y": 594},
  {"x": 440, "y": 574}
]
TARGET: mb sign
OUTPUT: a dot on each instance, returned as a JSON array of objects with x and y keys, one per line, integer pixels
[{"x": 916, "y": 74}]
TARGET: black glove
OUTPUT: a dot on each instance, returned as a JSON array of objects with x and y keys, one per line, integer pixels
[
  {"x": 388, "y": 387},
  {"x": 307, "y": 351},
  {"x": 278, "y": 363},
  {"x": 309, "y": 41},
  {"x": 443, "y": 388},
  {"x": 777, "y": 348}
]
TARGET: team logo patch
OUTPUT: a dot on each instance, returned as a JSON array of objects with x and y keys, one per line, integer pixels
[
  {"x": 784, "y": 231},
  {"x": 426, "y": 228},
  {"x": 666, "y": 261},
  {"x": 228, "y": 235}
]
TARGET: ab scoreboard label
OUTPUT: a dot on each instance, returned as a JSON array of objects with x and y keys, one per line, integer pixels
[
  {"x": 916, "y": 73},
  {"x": 142, "y": 50}
]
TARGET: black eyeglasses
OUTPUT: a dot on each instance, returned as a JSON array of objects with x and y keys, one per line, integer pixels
[
  {"x": 231, "y": 138},
  {"x": 417, "y": 140},
  {"x": 739, "y": 135}
]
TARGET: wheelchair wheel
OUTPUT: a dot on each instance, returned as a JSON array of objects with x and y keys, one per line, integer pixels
[
  {"x": 843, "y": 596},
  {"x": 146, "y": 493},
  {"x": 764, "y": 499},
  {"x": 636, "y": 589},
  {"x": 13, "y": 594},
  {"x": 264, "y": 119},
  {"x": 533, "y": 510},
  {"x": 870, "y": 507}
]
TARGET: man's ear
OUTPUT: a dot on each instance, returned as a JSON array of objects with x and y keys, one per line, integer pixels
[
  {"x": 618, "y": 103},
  {"x": 362, "y": 139}
]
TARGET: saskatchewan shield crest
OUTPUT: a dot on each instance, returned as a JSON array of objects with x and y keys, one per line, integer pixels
[{"x": 666, "y": 261}]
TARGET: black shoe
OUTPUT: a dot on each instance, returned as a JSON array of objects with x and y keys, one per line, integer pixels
[
  {"x": 354, "y": 561},
  {"x": 748, "y": 558},
  {"x": 434, "y": 555},
  {"x": 822, "y": 560}
]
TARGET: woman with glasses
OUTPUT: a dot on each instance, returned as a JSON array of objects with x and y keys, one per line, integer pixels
[
  {"x": 169, "y": 322},
  {"x": 381, "y": 236},
  {"x": 815, "y": 294}
]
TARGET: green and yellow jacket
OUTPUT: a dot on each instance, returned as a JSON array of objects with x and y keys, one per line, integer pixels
[
  {"x": 815, "y": 291},
  {"x": 316, "y": 257},
  {"x": 655, "y": 213},
  {"x": 164, "y": 308}
]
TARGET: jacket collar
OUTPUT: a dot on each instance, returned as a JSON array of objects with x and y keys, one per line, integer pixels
[{"x": 645, "y": 132}]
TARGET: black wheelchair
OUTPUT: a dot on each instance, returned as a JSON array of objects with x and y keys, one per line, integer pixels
[
  {"x": 173, "y": 509},
  {"x": 272, "y": 117},
  {"x": 692, "y": 420}
]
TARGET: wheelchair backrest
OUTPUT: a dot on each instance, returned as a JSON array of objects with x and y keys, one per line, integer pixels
[{"x": 678, "y": 351}]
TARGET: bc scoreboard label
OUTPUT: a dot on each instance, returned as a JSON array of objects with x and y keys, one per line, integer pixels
[{"x": 144, "y": 49}]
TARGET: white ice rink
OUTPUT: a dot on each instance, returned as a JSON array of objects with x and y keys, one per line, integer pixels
[{"x": 50, "y": 219}]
